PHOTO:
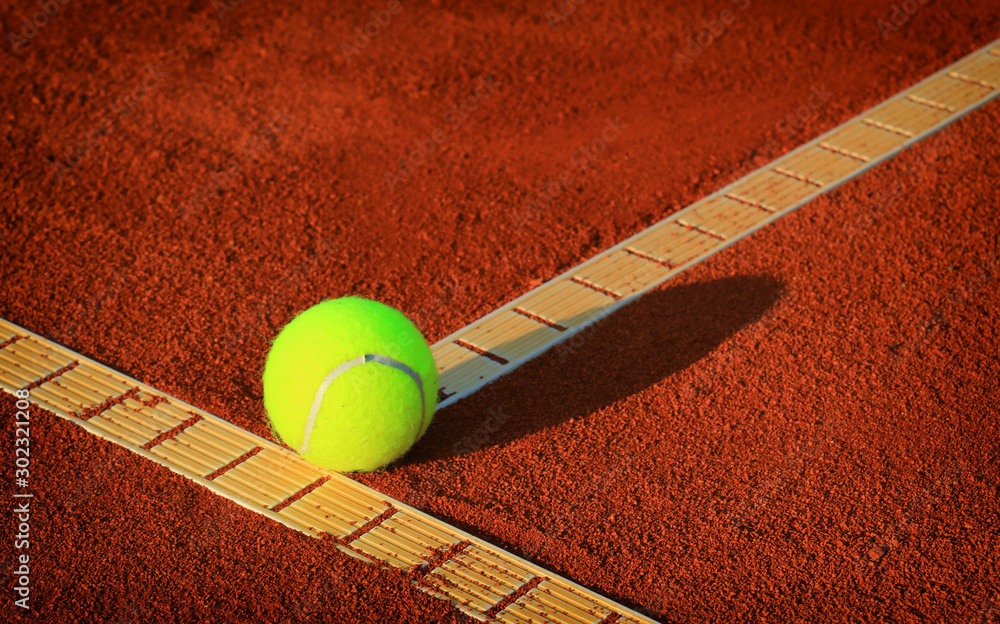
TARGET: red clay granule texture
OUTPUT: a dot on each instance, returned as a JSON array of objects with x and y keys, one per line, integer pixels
[{"x": 802, "y": 428}]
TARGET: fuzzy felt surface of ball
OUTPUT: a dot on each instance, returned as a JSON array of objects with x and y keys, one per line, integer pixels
[{"x": 350, "y": 384}]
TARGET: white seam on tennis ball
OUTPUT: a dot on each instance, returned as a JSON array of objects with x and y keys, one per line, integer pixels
[
  {"x": 343, "y": 368},
  {"x": 388, "y": 361}
]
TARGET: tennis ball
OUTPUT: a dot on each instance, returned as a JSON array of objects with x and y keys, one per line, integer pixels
[{"x": 350, "y": 384}]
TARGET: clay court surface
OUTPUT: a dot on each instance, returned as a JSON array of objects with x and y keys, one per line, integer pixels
[{"x": 802, "y": 428}]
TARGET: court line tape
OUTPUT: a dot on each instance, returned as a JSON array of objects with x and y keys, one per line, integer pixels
[
  {"x": 484, "y": 581},
  {"x": 553, "y": 312}
]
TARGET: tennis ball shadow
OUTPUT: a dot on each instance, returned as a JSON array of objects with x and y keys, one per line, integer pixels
[{"x": 640, "y": 345}]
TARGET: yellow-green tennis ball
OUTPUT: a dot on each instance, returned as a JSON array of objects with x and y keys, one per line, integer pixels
[{"x": 350, "y": 384}]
